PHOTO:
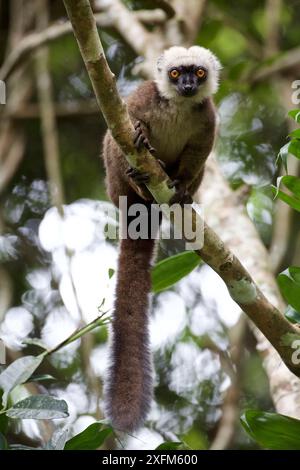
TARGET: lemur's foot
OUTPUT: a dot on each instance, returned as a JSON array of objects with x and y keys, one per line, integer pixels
[
  {"x": 137, "y": 176},
  {"x": 140, "y": 140},
  {"x": 181, "y": 196}
]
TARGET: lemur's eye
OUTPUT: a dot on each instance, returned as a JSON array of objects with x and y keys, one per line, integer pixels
[
  {"x": 174, "y": 73},
  {"x": 201, "y": 73}
]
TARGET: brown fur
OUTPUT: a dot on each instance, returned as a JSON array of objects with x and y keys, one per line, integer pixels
[
  {"x": 129, "y": 391},
  {"x": 183, "y": 136}
]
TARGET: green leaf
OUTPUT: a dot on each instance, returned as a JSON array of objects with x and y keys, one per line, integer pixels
[
  {"x": 292, "y": 183},
  {"x": 295, "y": 134},
  {"x": 294, "y": 272},
  {"x": 290, "y": 200},
  {"x": 39, "y": 407},
  {"x": 290, "y": 287},
  {"x": 294, "y": 148},
  {"x": 58, "y": 440},
  {"x": 111, "y": 272},
  {"x": 260, "y": 210},
  {"x": 90, "y": 439},
  {"x": 36, "y": 342},
  {"x": 272, "y": 430},
  {"x": 18, "y": 373},
  {"x": 41, "y": 378},
  {"x": 172, "y": 269},
  {"x": 169, "y": 445},
  {"x": 295, "y": 114},
  {"x": 3, "y": 442},
  {"x": 292, "y": 315},
  {"x": 3, "y": 423},
  {"x": 283, "y": 155}
]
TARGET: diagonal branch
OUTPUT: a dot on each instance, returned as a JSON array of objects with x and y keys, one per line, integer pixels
[{"x": 240, "y": 285}]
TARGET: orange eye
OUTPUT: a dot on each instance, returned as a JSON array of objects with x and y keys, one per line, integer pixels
[
  {"x": 200, "y": 73},
  {"x": 174, "y": 73}
]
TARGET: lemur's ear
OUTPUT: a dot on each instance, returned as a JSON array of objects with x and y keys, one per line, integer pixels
[{"x": 160, "y": 61}]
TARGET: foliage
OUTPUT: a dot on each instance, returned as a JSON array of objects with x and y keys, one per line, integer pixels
[
  {"x": 289, "y": 280},
  {"x": 272, "y": 430},
  {"x": 169, "y": 271},
  {"x": 290, "y": 182},
  {"x": 45, "y": 406}
]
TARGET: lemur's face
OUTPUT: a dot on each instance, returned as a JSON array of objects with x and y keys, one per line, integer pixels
[
  {"x": 188, "y": 79},
  {"x": 187, "y": 73}
]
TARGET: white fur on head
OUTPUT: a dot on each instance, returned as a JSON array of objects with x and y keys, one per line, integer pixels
[{"x": 195, "y": 55}]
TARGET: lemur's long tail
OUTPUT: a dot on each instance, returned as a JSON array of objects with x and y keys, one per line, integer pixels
[{"x": 129, "y": 387}]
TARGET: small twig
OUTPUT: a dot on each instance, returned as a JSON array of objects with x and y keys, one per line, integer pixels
[{"x": 99, "y": 321}]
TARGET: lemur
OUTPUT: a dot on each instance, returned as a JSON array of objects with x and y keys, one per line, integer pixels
[{"x": 175, "y": 119}]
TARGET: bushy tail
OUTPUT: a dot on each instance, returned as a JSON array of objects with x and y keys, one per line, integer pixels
[{"x": 129, "y": 388}]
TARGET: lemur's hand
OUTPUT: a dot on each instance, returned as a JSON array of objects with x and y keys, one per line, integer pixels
[
  {"x": 138, "y": 177},
  {"x": 140, "y": 138},
  {"x": 181, "y": 196}
]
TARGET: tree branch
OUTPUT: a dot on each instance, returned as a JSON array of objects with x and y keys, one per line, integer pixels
[
  {"x": 155, "y": 16},
  {"x": 280, "y": 64},
  {"x": 127, "y": 23},
  {"x": 241, "y": 286},
  {"x": 63, "y": 110},
  {"x": 35, "y": 40},
  {"x": 48, "y": 124},
  {"x": 166, "y": 7},
  {"x": 230, "y": 409},
  {"x": 12, "y": 140},
  {"x": 273, "y": 11},
  {"x": 13, "y": 158}
]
